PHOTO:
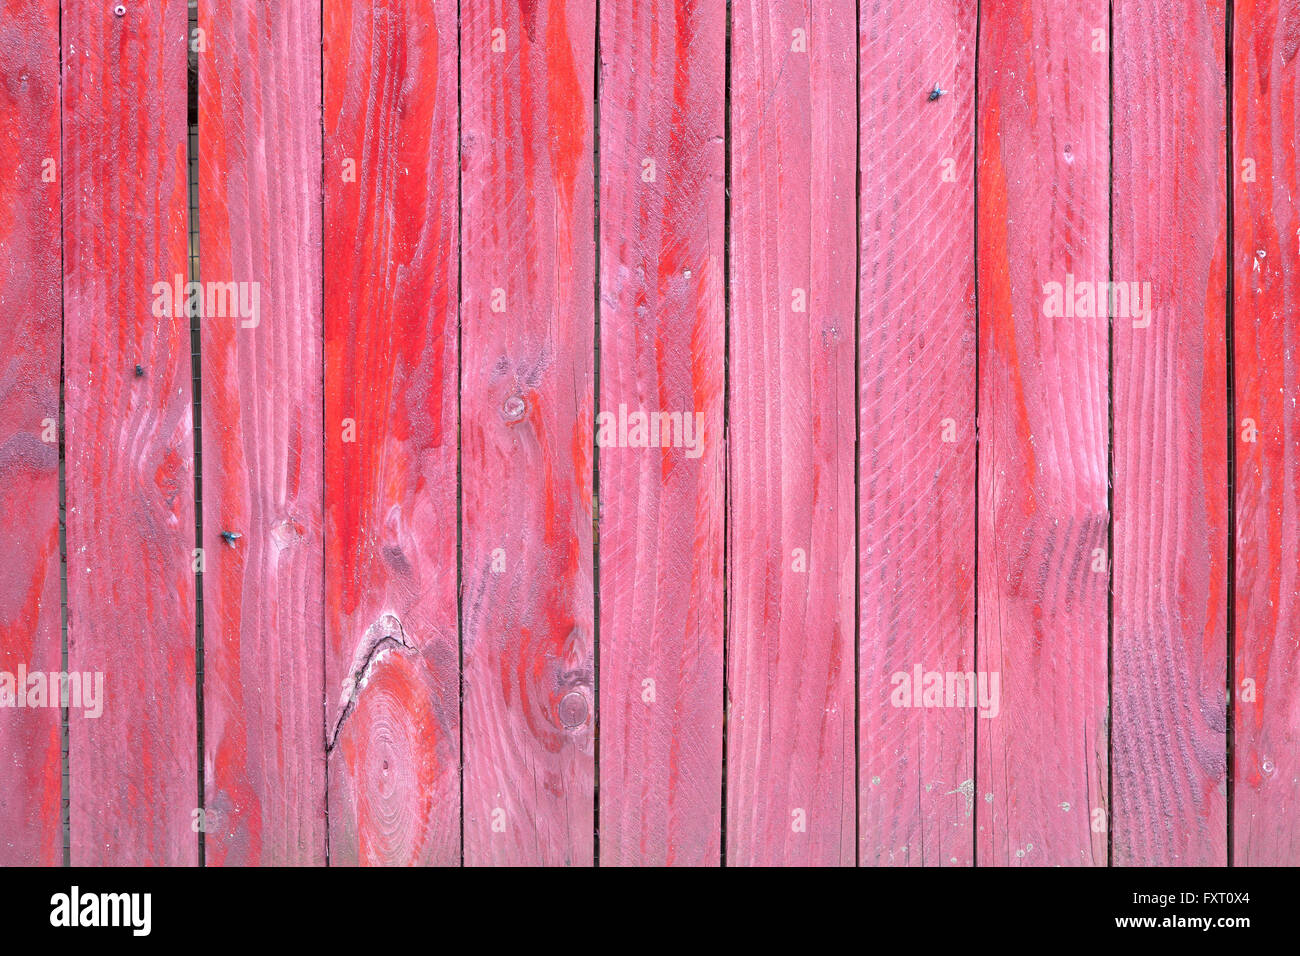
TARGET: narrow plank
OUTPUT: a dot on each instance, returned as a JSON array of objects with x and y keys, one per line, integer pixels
[
  {"x": 1266, "y": 334},
  {"x": 1169, "y": 717},
  {"x": 790, "y": 739},
  {"x": 527, "y": 406},
  {"x": 1042, "y": 574},
  {"x": 662, "y": 330},
  {"x": 129, "y": 439},
  {"x": 391, "y": 248},
  {"x": 260, "y": 222},
  {"x": 917, "y": 352},
  {"x": 31, "y": 627}
]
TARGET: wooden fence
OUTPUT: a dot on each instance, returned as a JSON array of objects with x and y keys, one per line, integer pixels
[{"x": 649, "y": 432}]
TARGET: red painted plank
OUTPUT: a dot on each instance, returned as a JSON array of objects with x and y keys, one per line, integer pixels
[
  {"x": 790, "y": 731},
  {"x": 129, "y": 450},
  {"x": 1042, "y": 580},
  {"x": 1170, "y": 534},
  {"x": 1266, "y": 297},
  {"x": 916, "y": 549},
  {"x": 30, "y": 352},
  {"x": 527, "y": 414},
  {"x": 661, "y": 351},
  {"x": 260, "y": 226},
  {"x": 392, "y": 660}
]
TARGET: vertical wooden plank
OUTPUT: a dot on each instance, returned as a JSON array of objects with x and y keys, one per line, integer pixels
[
  {"x": 1042, "y": 575},
  {"x": 790, "y": 740},
  {"x": 527, "y": 413},
  {"x": 260, "y": 222},
  {"x": 391, "y": 248},
  {"x": 1170, "y": 431},
  {"x": 129, "y": 448},
  {"x": 31, "y": 628},
  {"x": 1266, "y": 335},
  {"x": 661, "y": 351},
  {"x": 917, "y": 413}
]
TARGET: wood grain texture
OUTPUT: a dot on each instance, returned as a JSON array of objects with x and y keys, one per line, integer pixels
[
  {"x": 661, "y": 350},
  {"x": 1169, "y": 657},
  {"x": 391, "y": 248},
  {"x": 129, "y": 448},
  {"x": 790, "y": 739},
  {"x": 260, "y": 222},
  {"x": 1042, "y": 608},
  {"x": 527, "y": 397},
  {"x": 1266, "y": 296},
  {"x": 916, "y": 549},
  {"x": 31, "y": 627},
  {"x": 515, "y": 637}
]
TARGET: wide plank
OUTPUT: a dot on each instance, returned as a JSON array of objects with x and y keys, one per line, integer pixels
[
  {"x": 527, "y": 413},
  {"x": 129, "y": 434},
  {"x": 31, "y": 612},
  {"x": 1042, "y": 573},
  {"x": 791, "y": 783},
  {"x": 916, "y": 361},
  {"x": 1169, "y": 401},
  {"x": 662, "y": 331},
  {"x": 263, "y": 619},
  {"x": 391, "y": 253},
  {"x": 1266, "y": 429}
]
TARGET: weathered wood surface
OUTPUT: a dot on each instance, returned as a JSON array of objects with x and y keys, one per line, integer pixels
[
  {"x": 1169, "y": 408},
  {"x": 916, "y": 386},
  {"x": 129, "y": 434},
  {"x": 260, "y": 227},
  {"x": 451, "y": 622},
  {"x": 1043, "y": 209},
  {"x": 662, "y": 112},
  {"x": 392, "y": 646},
  {"x": 791, "y": 785},
  {"x": 527, "y": 406},
  {"x": 1266, "y": 429},
  {"x": 31, "y": 626}
]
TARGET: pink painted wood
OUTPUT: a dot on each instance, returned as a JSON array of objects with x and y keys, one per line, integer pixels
[
  {"x": 790, "y": 741},
  {"x": 527, "y": 401},
  {"x": 129, "y": 440},
  {"x": 916, "y": 348},
  {"x": 1266, "y": 336},
  {"x": 661, "y": 350},
  {"x": 260, "y": 221},
  {"x": 1168, "y": 711},
  {"x": 1043, "y": 514},
  {"x": 391, "y": 244},
  {"x": 31, "y": 631}
]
